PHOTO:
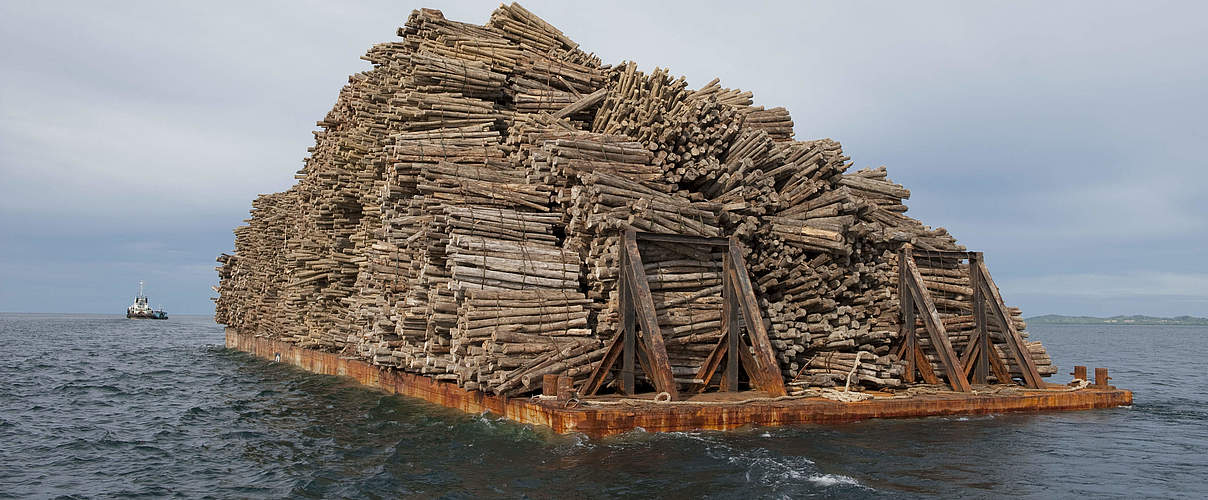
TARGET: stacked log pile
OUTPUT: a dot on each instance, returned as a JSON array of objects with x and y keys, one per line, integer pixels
[
  {"x": 607, "y": 183},
  {"x": 252, "y": 280},
  {"x": 514, "y": 280},
  {"x": 508, "y": 339},
  {"x": 679, "y": 126},
  {"x": 686, "y": 285},
  {"x": 461, "y": 211}
]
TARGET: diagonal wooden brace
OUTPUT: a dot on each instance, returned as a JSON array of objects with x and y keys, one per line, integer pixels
[
  {"x": 767, "y": 372},
  {"x": 931, "y": 320},
  {"x": 633, "y": 278},
  {"x": 1015, "y": 346}
]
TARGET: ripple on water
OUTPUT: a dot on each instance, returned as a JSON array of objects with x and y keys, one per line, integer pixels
[{"x": 125, "y": 404}]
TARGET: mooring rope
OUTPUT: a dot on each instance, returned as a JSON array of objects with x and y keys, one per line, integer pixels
[
  {"x": 636, "y": 402},
  {"x": 1079, "y": 384}
]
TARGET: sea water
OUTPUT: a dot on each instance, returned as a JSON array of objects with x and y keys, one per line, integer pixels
[{"x": 100, "y": 406}]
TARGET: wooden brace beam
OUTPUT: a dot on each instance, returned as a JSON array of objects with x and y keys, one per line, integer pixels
[{"x": 935, "y": 326}]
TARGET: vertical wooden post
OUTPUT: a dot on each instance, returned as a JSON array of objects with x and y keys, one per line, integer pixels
[
  {"x": 1101, "y": 377},
  {"x": 628, "y": 335},
  {"x": 729, "y": 380},
  {"x": 981, "y": 369},
  {"x": 765, "y": 369},
  {"x": 906, "y": 305}
]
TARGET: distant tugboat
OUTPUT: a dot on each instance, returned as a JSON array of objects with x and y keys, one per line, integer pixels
[{"x": 140, "y": 309}]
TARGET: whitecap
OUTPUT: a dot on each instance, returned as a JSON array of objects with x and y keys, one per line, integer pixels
[{"x": 826, "y": 480}]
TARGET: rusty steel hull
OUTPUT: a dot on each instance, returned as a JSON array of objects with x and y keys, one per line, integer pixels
[{"x": 598, "y": 420}]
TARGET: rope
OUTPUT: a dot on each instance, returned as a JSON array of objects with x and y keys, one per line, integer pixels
[
  {"x": 638, "y": 402},
  {"x": 854, "y": 366},
  {"x": 1079, "y": 384},
  {"x": 846, "y": 396},
  {"x": 574, "y": 401}
]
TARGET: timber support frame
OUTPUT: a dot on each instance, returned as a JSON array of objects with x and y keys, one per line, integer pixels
[
  {"x": 640, "y": 340},
  {"x": 979, "y": 357}
]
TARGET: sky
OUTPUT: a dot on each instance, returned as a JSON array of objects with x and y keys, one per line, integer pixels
[{"x": 1064, "y": 139}]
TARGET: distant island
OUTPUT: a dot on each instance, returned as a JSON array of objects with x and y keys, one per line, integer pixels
[{"x": 1057, "y": 319}]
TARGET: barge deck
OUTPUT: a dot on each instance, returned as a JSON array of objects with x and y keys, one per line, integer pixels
[{"x": 608, "y": 415}]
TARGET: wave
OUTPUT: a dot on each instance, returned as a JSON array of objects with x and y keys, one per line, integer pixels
[{"x": 827, "y": 480}]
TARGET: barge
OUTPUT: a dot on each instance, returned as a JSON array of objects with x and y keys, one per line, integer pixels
[
  {"x": 609, "y": 415},
  {"x": 494, "y": 220}
]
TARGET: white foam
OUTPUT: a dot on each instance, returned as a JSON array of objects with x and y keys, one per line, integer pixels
[{"x": 825, "y": 480}]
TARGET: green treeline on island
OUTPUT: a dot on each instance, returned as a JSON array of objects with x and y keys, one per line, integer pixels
[{"x": 1057, "y": 319}]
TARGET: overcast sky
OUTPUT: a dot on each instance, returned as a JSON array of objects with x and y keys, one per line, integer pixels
[{"x": 1066, "y": 140}]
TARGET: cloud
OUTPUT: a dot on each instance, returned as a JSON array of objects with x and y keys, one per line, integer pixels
[
  {"x": 1155, "y": 293},
  {"x": 1132, "y": 284},
  {"x": 1062, "y": 140}
]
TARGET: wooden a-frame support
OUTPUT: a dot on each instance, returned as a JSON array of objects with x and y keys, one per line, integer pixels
[
  {"x": 741, "y": 308},
  {"x": 979, "y": 356},
  {"x": 980, "y": 277},
  {"x": 638, "y": 312}
]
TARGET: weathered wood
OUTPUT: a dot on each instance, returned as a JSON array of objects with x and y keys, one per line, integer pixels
[
  {"x": 566, "y": 387},
  {"x": 643, "y": 306},
  {"x": 709, "y": 368},
  {"x": 935, "y": 327},
  {"x": 909, "y": 338},
  {"x": 924, "y": 366},
  {"x": 769, "y": 378},
  {"x": 549, "y": 384},
  {"x": 981, "y": 335},
  {"x": 583, "y": 103},
  {"x": 627, "y": 333},
  {"x": 1014, "y": 343},
  {"x": 596, "y": 379},
  {"x": 732, "y": 329}
]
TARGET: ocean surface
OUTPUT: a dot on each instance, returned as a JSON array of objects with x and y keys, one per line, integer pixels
[{"x": 102, "y": 406}]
